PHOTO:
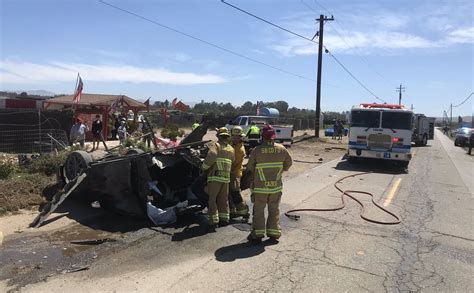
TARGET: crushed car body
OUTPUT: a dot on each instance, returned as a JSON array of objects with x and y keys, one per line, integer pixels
[{"x": 150, "y": 185}]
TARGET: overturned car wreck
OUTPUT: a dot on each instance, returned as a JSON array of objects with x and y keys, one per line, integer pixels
[{"x": 160, "y": 185}]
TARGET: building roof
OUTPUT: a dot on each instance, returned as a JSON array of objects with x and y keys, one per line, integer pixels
[{"x": 97, "y": 100}]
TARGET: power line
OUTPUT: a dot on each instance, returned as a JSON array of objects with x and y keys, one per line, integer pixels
[
  {"x": 355, "y": 78},
  {"x": 269, "y": 22},
  {"x": 205, "y": 42},
  {"x": 327, "y": 51},
  {"x": 465, "y": 100},
  {"x": 344, "y": 39}
]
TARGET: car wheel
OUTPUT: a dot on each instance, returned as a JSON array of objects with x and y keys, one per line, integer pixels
[
  {"x": 455, "y": 142},
  {"x": 76, "y": 163}
]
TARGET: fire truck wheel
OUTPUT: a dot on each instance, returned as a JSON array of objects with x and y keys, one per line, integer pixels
[{"x": 425, "y": 140}]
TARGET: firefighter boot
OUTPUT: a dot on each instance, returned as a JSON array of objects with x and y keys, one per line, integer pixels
[
  {"x": 242, "y": 210},
  {"x": 253, "y": 239}
]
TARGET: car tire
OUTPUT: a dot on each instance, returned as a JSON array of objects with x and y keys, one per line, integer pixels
[
  {"x": 76, "y": 163},
  {"x": 456, "y": 142}
]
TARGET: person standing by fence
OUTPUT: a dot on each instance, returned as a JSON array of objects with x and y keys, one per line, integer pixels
[
  {"x": 340, "y": 129},
  {"x": 78, "y": 132},
  {"x": 122, "y": 131},
  {"x": 96, "y": 132}
]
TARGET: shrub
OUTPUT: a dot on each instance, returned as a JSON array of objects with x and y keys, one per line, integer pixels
[
  {"x": 5, "y": 170},
  {"x": 135, "y": 143},
  {"x": 171, "y": 131},
  {"x": 47, "y": 164}
]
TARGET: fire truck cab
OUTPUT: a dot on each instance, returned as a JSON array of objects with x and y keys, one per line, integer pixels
[{"x": 380, "y": 131}]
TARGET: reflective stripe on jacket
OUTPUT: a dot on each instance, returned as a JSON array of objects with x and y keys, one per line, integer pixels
[
  {"x": 267, "y": 162},
  {"x": 237, "y": 166},
  {"x": 195, "y": 125},
  {"x": 218, "y": 163}
]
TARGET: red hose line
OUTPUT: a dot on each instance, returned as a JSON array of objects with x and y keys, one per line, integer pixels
[{"x": 348, "y": 193}]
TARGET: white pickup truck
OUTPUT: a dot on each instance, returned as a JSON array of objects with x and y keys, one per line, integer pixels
[{"x": 284, "y": 133}]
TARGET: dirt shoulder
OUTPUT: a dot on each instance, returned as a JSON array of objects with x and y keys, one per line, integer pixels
[{"x": 308, "y": 152}]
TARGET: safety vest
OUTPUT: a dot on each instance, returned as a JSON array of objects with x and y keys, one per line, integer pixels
[
  {"x": 218, "y": 163},
  {"x": 254, "y": 130},
  {"x": 195, "y": 125},
  {"x": 267, "y": 162}
]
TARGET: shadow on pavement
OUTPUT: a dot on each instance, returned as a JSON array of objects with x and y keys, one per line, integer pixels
[
  {"x": 96, "y": 218},
  {"x": 372, "y": 165},
  {"x": 189, "y": 232},
  {"x": 238, "y": 251}
]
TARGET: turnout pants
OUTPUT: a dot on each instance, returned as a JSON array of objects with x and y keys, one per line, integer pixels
[
  {"x": 218, "y": 209},
  {"x": 235, "y": 197},
  {"x": 272, "y": 226}
]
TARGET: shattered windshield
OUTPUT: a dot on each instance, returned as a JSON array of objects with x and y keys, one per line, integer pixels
[
  {"x": 396, "y": 120},
  {"x": 365, "y": 118}
]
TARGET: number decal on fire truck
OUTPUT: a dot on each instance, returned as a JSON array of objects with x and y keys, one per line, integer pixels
[{"x": 386, "y": 155}]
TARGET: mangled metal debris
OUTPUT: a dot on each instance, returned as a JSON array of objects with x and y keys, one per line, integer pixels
[{"x": 159, "y": 185}]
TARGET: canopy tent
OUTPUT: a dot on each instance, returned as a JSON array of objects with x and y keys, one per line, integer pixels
[{"x": 93, "y": 104}]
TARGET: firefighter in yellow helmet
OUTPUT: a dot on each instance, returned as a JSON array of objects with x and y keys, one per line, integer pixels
[
  {"x": 267, "y": 163},
  {"x": 218, "y": 164},
  {"x": 238, "y": 207}
]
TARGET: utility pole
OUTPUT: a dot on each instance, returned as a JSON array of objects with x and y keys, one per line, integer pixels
[
  {"x": 451, "y": 115},
  {"x": 321, "y": 20},
  {"x": 400, "y": 90}
]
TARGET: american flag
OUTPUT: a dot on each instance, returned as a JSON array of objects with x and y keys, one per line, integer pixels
[{"x": 77, "y": 94}]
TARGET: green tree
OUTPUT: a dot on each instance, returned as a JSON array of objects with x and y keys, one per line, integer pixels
[
  {"x": 247, "y": 108},
  {"x": 281, "y": 106}
]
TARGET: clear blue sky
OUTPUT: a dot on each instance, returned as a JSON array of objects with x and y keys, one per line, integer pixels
[{"x": 426, "y": 45}]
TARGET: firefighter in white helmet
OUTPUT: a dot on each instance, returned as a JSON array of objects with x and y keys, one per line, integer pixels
[{"x": 238, "y": 207}]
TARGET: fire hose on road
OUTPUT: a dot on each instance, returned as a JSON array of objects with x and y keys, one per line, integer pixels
[{"x": 349, "y": 193}]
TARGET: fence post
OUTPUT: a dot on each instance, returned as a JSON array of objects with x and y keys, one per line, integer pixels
[{"x": 39, "y": 130}]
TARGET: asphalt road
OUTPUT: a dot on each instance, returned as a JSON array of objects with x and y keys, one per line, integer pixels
[{"x": 431, "y": 250}]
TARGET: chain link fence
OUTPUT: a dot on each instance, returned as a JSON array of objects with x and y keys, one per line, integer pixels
[{"x": 32, "y": 140}]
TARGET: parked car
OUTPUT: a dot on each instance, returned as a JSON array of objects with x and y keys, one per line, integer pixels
[
  {"x": 462, "y": 136},
  {"x": 284, "y": 133},
  {"x": 330, "y": 131}
]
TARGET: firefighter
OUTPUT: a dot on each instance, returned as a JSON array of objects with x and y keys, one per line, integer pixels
[
  {"x": 267, "y": 163},
  {"x": 195, "y": 125},
  {"x": 253, "y": 131},
  {"x": 218, "y": 164},
  {"x": 253, "y": 134},
  {"x": 238, "y": 208}
]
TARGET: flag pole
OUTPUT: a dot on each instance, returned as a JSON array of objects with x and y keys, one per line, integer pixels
[
  {"x": 77, "y": 80},
  {"x": 75, "y": 90}
]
